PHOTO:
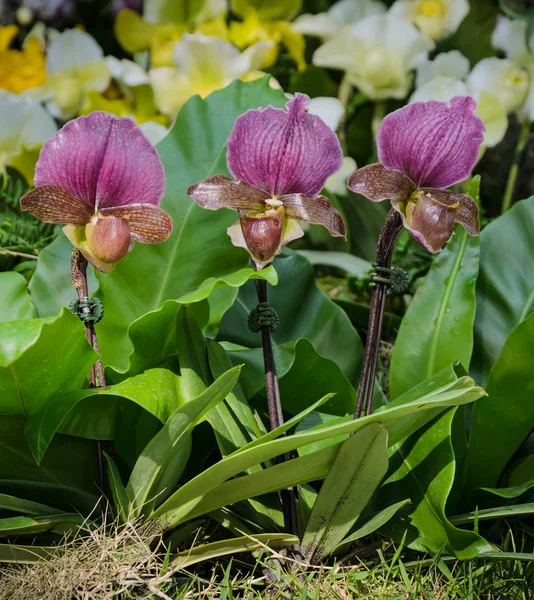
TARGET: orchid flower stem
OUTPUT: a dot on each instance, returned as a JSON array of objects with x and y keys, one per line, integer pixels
[
  {"x": 384, "y": 251},
  {"x": 514, "y": 170},
  {"x": 96, "y": 375},
  {"x": 276, "y": 416}
]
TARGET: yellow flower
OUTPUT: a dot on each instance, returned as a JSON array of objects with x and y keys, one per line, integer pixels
[
  {"x": 163, "y": 24},
  {"x": 20, "y": 69},
  {"x": 268, "y": 23}
]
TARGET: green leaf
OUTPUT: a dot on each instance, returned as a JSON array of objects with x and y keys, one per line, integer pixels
[
  {"x": 21, "y": 505},
  {"x": 186, "y": 498},
  {"x": 353, "y": 265},
  {"x": 501, "y": 512},
  {"x": 161, "y": 463},
  {"x": 284, "y": 475},
  {"x": 357, "y": 471},
  {"x": 511, "y": 492},
  {"x": 305, "y": 312},
  {"x": 93, "y": 413},
  {"x": 59, "y": 523},
  {"x": 303, "y": 376},
  {"x": 51, "y": 284},
  {"x": 423, "y": 468},
  {"x": 38, "y": 357},
  {"x": 371, "y": 525},
  {"x": 233, "y": 546},
  {"x": 15, "y": 553},
  {"x": 505, "y": 286},
  {"x": 15, "y": 303},
  {"x": 61, "y": 465},
  {"x": 503, "y": 420},
  {"x": 123, "y": 503},
  {"x": 438, "y": 327}
]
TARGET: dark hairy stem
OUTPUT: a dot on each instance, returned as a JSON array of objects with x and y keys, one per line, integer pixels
[
  {"x": 384, "y": 251},
  {"x": 276, "y": 416},
  {"x": 96, "y": 375}
]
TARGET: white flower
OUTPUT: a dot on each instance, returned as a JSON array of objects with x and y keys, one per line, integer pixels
[
  {"x": 24, "y": 127},
  {"x": 203, "y": 65},
  {"x": 75, "y": 66},
  {"x": 126, "y": 72},
  {"x": 337, "y": 183},
  {"x": 451, "y": 64},
  {"x": 345, "y": 12},
  {"x": 155, "y": 132},
  {"x": 327, "y": 108},
  {"x": 437, "y": 18},
  {"x": 377, "y": 54},
  {"x": 511, "y": 37},
  {"x": 489, "y": 109}
]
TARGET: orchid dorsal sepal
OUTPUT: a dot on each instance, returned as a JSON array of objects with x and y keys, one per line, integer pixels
[
  {"x": 424, "y": 148},
  {"x": 101, "y": 178},
  {"x": 280, "y": 161}
]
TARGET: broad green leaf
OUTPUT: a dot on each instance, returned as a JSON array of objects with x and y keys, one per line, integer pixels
[
  {"x": 161, "y": 463},
  {"x": 503, "y": 420},
  {"x": 521, "y": 472},
  {"x": 511, "y": 492},
  {"x": 185, "y": 499},
  {"x": 51, "y": 284},
  {"x": 123, "y": 503},
  {"x": 357, "y": 471},
  {"x": 422, "y": 468},
  {"x": 15, "y": 553},
  {"x": 304, "y": 375},
  {"x": 15, "y": 303},
  {"x": 95, "y": 411},
  {"x": 371, "y": 525},
  {"x": 266, "y": 10},
  {"x": 305, "y": 312},
  {"x": 60, "y": 466},
  {"x": 20, "y": 505},
  {"x": 353, "y": 265},
  {"x": 505, "y": 285},
  {"x": 233, "y": 546},
  {"x": 284, "y": 475},
  {"x": 59, "y": 523},
  {"x": 438, "y": 327}
]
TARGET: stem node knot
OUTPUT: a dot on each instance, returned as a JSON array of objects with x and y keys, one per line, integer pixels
[
  {"x": 396, "y": 278},
  {"x": 264, "y": 315},
  {"x": 88, "y": 310}
]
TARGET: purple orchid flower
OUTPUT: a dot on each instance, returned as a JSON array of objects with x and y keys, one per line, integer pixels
[
  {"x": 280, "y": 162},
  {"x": 424, "y": 148},
  {"x": 102, "y": 178}
]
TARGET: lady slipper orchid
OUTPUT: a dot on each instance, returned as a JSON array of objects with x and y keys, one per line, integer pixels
[
  {"x": 280, "y": 161},
  {"x": 102, "y": 178},
  {"x": 424, "y": 148}
]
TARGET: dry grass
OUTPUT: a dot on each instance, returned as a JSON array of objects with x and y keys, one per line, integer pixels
[{"x": 103, "y": 563}]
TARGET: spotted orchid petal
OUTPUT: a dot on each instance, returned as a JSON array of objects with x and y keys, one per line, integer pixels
[
  {"x": 378, "y": 183},
  {"x": 54, "y": 204},
  {"x": 147, "y": 223},
  {"x": 465, "y": 208},
  {"x": 317, "y": 210},
  {"x": 219, "y": 191},
  {"x": 283, "y": 152},
  {"x": 433, "y": 143},
  {"x": 102, "y": 161}
]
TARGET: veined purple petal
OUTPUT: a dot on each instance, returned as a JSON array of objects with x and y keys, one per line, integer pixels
[
  {"x": 282, "y": 152},
  {"x": 434, "y": 143},
  {"x": 147, "y": 223},
  {"x": 54, "y": 204},
  {"x": 104, "y": 161},
  {"x": 219, "y": 191},
  {"x": 465, "y": 208},
  {"x": 378, "y": 183}
]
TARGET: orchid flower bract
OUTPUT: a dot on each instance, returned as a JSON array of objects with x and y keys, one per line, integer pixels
[
  {"x": 102, "y": 178},
  {"x": 280, "y": 162},
  {"x": 424, "y": 148}
]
